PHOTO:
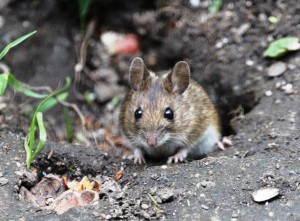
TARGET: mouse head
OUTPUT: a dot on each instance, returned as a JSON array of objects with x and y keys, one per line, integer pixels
[{"x": 156, "y": 106}]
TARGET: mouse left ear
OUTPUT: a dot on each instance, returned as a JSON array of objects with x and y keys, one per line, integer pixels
[
  {"x": 178, "y": 79},
  {"x": 138, "y": 72}
]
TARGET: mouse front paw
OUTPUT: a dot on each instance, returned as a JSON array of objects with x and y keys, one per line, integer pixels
[
  {"x": 137, "y": 157},
  {"x": 178, "y": 157}
]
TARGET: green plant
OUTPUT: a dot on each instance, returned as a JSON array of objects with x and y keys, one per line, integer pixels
[
  {"x": 15, "y": 43},
  {"x": 281, "y": 46},
  {"x": 50, "y": 100},
  {"x": 37, "y": 123},
  {"x": 216, "y": 6},
  {"x": 8, "y": 79}
]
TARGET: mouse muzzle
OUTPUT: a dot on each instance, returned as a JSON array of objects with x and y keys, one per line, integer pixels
[{"x": 152, "y": 139}]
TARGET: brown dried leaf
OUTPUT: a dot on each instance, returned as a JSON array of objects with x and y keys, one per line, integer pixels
[{"x": 118, "y": 175}]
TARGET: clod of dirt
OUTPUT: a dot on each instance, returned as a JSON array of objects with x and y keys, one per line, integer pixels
[
  {"x": 208, "y": 184},
  {"x": 110, "y": 187},
  {"x": 27, "y": 178},
  {"x": 277, "y": 69},
  {"x": 265, "y": 194},
  {"x": 165, "y": 194},
  {"x": 70, "y": 199}
]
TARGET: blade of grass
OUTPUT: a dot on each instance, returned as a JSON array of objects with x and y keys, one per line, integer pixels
[
  {"x": 53, "y": 101},
  {"x": 9, "y": 79},
  {"x": 37, "y": 120},
  {"x": 15, "y": 43},
  {"x": 42, "y": 134}
]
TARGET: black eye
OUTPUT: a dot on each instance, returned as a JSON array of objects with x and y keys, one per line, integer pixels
[
  {"x": 168, "y": 114},
  {"x": 138, "y": 113}
]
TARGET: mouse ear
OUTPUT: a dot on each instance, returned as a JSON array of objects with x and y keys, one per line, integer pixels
[
  {"x": 138, "y": 72},
  {"x": 178, "y": 79}
]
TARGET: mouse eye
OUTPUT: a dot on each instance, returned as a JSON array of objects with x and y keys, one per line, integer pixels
[
  {"x": 138, "y": 113},
  {"x": 168, "y": 114}
]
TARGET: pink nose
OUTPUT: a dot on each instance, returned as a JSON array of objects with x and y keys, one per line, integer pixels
[{"x": 152, "y": 139}]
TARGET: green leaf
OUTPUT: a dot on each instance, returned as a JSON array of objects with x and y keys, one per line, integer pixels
[
  {"x": 281, "y": 46},
  {"x": 274, "y": 20},
  {"x": 115, "y": 101},
  {"x": 42, "y": 134},
  {"x": 55, "y": 93},
  {"x": 53, "y": 101},
  {"x": 15, "y": 43},
  {"x": 216, "y": 6},
  {"x": 9, "y": 79}
]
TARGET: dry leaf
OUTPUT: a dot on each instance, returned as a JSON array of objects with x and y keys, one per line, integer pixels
[
  {"x": 118, "y": 175},
  {"x": 86, "y": 184}
]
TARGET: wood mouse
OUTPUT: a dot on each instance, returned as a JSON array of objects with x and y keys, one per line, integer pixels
[{"x": 168, "y": 116}]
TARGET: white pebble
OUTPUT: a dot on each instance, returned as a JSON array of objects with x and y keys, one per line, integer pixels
[
  {"x": 277, "y": 69},
  {"x": 265, "y": 194},
  {"x": 268, "y": 93}
]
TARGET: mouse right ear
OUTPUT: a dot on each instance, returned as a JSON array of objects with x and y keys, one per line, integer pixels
[{"x": 138, "y": 72}]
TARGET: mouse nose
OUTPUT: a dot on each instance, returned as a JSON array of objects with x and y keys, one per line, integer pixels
[{"x": 152, "y": 139}]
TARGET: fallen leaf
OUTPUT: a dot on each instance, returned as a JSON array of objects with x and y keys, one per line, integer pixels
[
  {"x": 86, "y": 184},
  {"x": 75, "y": 186},
  {"x": 97, "y": 185},
  {"x": 70, "y": 199},
  {"x": 51, "y": 186},
  {"x": 118, "y": 175},
  {"x": 281, "y": 46}
]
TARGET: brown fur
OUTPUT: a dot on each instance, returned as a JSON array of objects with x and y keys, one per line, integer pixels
[{"x": 192, "y": 108}]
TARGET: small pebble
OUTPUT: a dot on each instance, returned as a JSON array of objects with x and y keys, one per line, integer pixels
[
  {"x": 214, "y": 218},
  {"x": 288, "y": 89},
  {"x": 268, "y": 93},
  {"x": 204, "y": 207},
  {"x": 3, "y": 181},
  {"x": 165, "y": 194},
  {"x": 208, "y": 184},
  {"x": 265, "y": 194},
  {"x": 250, "y": 63},
  {"x": 277, "y": 69},
  {"x": 146, "y": 215},
  {"x": 164, "y": 167},
  {"x": 144, "y": 206},
  {"x": 154, "y": 176},
  {"x": 195, "y": 3},
  {"x": 234, "y": 215}
]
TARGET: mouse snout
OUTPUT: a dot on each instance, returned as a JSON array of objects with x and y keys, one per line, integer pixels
[{"x": 152, "y": 139}]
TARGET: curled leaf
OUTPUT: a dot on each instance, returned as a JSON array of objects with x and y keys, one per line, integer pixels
[{"x": 281, "y": 46}]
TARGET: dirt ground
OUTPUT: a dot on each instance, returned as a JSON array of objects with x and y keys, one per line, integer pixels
[{"x": 225, "y": 51}]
